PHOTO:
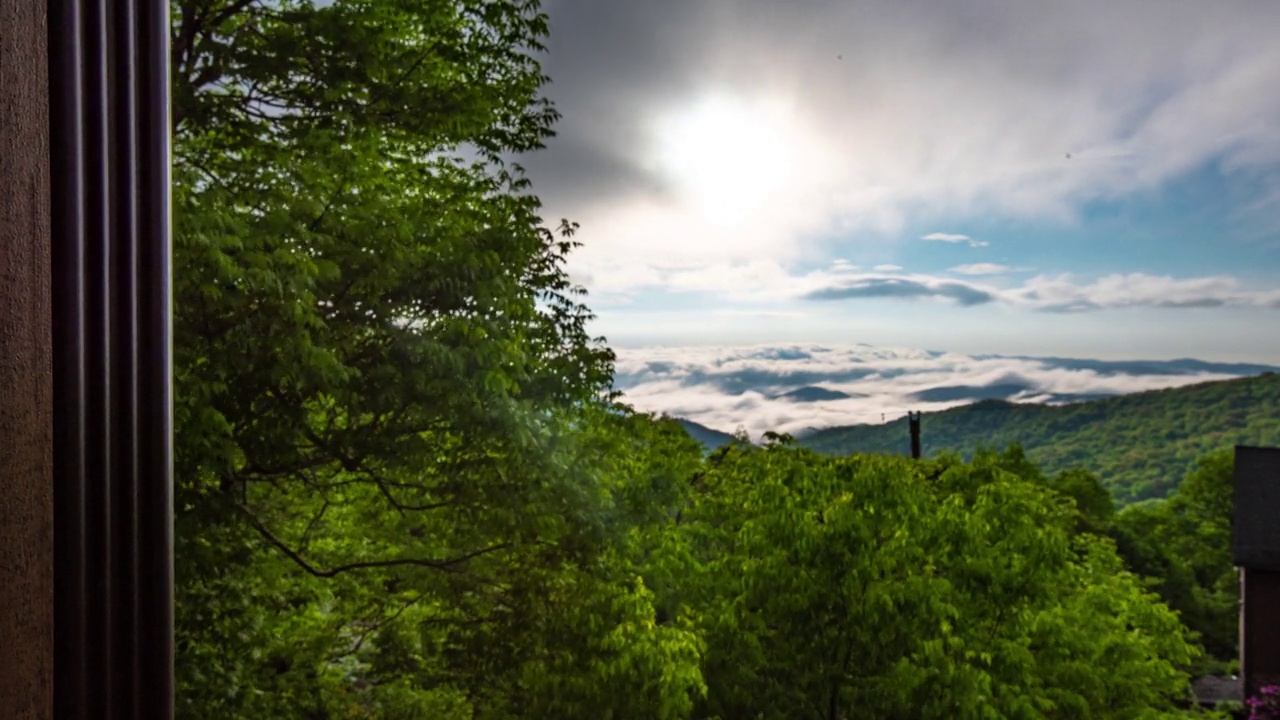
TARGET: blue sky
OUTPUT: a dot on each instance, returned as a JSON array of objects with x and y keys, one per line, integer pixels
[{"x": 1089, "y": 179}]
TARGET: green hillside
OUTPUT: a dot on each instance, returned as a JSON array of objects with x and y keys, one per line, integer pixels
[
  {"x": 1141, "y": 444},
  {"x": 711, "y": 439}
]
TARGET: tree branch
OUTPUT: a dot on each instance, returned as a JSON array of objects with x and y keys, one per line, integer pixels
[
  {"x": 374, "y": 627},
  {"x": 228, "y": 11},
  {"x": 315, "y": 519},
  {"x": 449, "y": 564}
]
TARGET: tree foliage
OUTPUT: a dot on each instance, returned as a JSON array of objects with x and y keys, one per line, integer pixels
[
  {"x": 1184, "y": 545},
  {"x": 384, "y": 506},
  {"x": 875, "y": 587}
]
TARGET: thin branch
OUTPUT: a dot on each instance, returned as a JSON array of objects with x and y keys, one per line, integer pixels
[
  {"x": 227, "y": 12},
  {"x": 306, "y": 534},
  {"x": 360, "y": 465},
  {"x": 374, "y": 627},
  {"x": 190, "y": 22},
  {"x": 254, "y": 471},
  {"x": 449, "y": 564},
  {"x": 362, "y": 481},
  {"x": 386, "y": 493}
]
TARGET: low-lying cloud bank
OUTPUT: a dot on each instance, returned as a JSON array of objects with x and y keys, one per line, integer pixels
[
  {"x": 1043, "y": 293},
  {"x": 797, "y": 388},
  {"x": 967, "y": 285}
]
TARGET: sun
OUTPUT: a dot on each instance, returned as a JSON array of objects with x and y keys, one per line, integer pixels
[{"x": 724, "y": 157}]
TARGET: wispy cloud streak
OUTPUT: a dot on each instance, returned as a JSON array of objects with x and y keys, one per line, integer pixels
[{"x": 954, "y": 238}]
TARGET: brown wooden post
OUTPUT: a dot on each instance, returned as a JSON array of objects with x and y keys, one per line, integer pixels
[{"x": 26, "y": 379}]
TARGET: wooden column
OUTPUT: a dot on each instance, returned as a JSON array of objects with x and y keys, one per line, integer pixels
[{"x": 26, "y": 380}]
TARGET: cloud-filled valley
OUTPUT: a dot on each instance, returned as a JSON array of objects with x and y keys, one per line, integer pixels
[{"x": 795, "y": 388}]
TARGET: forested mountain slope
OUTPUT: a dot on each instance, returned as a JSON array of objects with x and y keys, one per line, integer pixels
[
  {"x": 711, "y": 439},
  {"x": 1141, "y": 445}
]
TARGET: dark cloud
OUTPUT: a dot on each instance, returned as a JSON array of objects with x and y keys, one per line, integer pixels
[
  {"x": 589, "y": 172},
  {"x": 1184, "y": 366},
  {"x": 891, "y": 287},
  {"x": 607, "y": 61},
  {"x": 612, "y": 49},
  {"x": 1204, "y": 302}
]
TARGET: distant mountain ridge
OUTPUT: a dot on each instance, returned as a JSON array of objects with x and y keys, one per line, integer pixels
[
  {"x": 1140, "y": 444},
  {"x": 1180, "y": 366},
  {"x": 811, "y": 393}
]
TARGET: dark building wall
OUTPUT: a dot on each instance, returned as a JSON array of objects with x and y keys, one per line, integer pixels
[
  {"x": 1256, "y": 534},
  {"x": 1260, "y": 633},
  {"x": 26, "y": 427},
  {"x": 1256, "y": 550}
]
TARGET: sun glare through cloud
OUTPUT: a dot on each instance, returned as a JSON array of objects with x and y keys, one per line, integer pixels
[
  {"x": 1085, "y": 179},
  {"x": 725, "y": 156}
]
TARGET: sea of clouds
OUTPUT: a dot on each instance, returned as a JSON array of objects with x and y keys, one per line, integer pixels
[{"x": 799, "y": 388}]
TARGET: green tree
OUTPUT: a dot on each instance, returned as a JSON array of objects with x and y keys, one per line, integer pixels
[
  {"x": 880, "y": 587},
  {"x": 1093, "y": 501},
  {"x": 387, "y": 505},
  {"x": 1183, "y": 544}
]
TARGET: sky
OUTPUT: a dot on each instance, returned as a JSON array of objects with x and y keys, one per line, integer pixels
[{"x": 1095, "y": 179}]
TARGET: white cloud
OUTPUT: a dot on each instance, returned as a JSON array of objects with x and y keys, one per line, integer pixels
[
  {"x": 754, "y": 313},
  {"x": 723, "y": 388},
  {"x": 982, "y": 269},
  {"x": 953, "y": 238},
  {"x": 902, "y": 286},
  {"x": 771, "y": 285},
  {"x": 728, "y": 279},
  {"x": 1061, "y": 293}
]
